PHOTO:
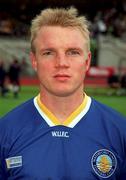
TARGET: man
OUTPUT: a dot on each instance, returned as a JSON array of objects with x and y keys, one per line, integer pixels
[
  {"x": 3, "y": 90},
  {"x": 123, "y": 84},
  {"x": 14, "y": 77},
  {"x": 62, "y": 134},
  {"x": 114, "y": 84}
]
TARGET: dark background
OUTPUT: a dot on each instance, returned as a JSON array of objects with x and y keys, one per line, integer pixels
[{"x": 25, "y": 10}]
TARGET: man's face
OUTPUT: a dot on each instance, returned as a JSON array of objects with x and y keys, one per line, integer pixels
[{"x": 61, "y": 60}]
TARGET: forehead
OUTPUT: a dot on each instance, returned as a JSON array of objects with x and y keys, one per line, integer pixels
[{"x": 57, "y": 36}]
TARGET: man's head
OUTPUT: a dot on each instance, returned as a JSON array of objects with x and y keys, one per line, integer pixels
[
  {"x": 60, "y": 17},
  {"x": 60, "y": 51}
]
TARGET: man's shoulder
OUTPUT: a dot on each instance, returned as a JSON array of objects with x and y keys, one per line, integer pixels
[
  {"x": 17, "y": 124},
  {"x": 18, "y": 114},
  {"x": 108, "y": 114}
]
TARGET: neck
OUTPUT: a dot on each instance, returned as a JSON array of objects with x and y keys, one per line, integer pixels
[{"x": 62, "y": 107}]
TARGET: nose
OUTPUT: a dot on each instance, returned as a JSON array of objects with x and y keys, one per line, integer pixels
[{"x": 61, "y": 61}]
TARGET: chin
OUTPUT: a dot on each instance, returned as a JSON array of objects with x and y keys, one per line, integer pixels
[{"x": 63, "y": 93}]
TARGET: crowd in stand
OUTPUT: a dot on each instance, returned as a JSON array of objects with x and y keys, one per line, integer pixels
[
  {"x": 110, "y": 20},
  {"x": 10, "y": 26},
  {"x": 107, "y": 21}
]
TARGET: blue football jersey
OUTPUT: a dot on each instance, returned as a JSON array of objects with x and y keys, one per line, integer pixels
[{"x": 89, "y": 145}]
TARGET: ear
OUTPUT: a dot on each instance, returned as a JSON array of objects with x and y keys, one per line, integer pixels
[
  {"x": 33, "y": 60},
  {"x": 88, "y": 61}
]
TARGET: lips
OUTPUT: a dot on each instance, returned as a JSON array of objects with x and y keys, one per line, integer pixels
[{"x": 62, "y": 77}]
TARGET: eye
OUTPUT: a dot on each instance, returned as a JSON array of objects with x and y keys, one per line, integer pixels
[
  {"x": 73, "y": 52},
  {"x": 47, "y": 53}
]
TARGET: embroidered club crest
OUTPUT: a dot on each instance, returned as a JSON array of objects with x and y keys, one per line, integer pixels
[{"x": 104, "y": 163}]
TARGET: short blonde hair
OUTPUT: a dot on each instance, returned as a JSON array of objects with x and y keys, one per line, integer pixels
[{"x": 60, "y": 17}]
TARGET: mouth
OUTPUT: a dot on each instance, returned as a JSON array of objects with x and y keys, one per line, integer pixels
[{"x": 62, "y": 77}]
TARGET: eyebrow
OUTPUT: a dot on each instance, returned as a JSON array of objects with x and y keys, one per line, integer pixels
[
  {"x": 75, "y": 48},
  {"x": 68, "y": 49},
  {"x": 47, "y": 49}
]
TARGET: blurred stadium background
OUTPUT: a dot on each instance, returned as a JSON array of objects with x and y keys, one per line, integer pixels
[{"x": 108, "y": 45}]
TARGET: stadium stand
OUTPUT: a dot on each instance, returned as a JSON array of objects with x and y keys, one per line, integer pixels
[
  {"x": 108, "y": 32},
  {"x": 18, "y": 48},
  {"x": 111, "y": 51}
]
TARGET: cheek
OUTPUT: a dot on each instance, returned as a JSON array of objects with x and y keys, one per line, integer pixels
[
  {"x": 79, "y": 72},
  {"x": 43, "y": 69},
  {"x": 81, "y": 69},
  {"x": 82, "y": 73}
]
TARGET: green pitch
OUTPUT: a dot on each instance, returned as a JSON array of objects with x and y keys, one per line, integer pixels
[{"x": 8, "y": 103}]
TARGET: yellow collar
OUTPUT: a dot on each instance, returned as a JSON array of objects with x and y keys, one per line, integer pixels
[{"x": 72, "y": 120}]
